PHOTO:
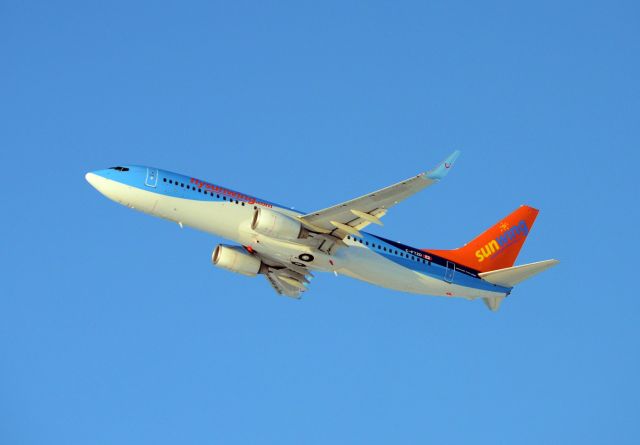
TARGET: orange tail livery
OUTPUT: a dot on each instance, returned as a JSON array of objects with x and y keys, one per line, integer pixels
[{"x": 497, "y": 247}]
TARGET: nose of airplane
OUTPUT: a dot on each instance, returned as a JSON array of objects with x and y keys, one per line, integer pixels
[
  {"x": 99, "y": 180},
  {"x": 92, "y": 179}
]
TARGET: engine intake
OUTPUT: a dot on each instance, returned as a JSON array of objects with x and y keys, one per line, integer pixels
[
  {"x": 236, "y": 259},
  {"x": 270, "y": 223}
]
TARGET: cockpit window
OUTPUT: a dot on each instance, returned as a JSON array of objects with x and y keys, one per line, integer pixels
[{"x": 120, "y": 169}]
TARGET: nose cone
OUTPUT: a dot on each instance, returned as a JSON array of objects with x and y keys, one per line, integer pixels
[
  {"x": 92, "y": 179},
  {"x": 102, "y": 182},
  {"x": 97, "y": 179}
]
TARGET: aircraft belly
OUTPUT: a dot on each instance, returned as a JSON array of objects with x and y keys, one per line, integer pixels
[
  {"x": 219, "y": 218},
  {"x": 366, "y": 265}
]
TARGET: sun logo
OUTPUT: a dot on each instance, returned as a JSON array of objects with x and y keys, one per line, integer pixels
[{"x": 508, "y": 236}]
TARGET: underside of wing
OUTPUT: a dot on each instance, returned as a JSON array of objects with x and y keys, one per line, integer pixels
[
  {"x": 282, "y": 287},
  {"x": 352, "y": 216},
  {"x": 286, "y": 279}
]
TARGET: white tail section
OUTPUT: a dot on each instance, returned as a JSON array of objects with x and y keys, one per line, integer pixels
[{"x": 511, "y": 276}]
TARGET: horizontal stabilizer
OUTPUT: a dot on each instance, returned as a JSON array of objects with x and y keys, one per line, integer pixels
[{"x": 511, "y": 276}]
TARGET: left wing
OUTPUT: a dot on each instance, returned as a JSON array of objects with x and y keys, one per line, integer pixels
[{"x": 351, "y": 216}]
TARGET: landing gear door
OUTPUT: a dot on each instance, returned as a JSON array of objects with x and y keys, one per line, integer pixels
[
  {"x": 449, "y": 272},
  {"x": 152, "y": 177}
]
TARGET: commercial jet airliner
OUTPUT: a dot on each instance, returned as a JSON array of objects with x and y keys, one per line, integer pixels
[{"x": 286, "y": 246}]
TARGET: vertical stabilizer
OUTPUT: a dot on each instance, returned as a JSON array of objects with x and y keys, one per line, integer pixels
[{"x": 497, "y": 247}]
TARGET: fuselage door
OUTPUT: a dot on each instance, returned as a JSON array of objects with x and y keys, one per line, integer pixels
[
  {"x": 449, "y": 272},
  {"x": 152, "y": 177}
]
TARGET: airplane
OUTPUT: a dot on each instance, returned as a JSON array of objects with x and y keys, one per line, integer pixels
[{"x": 287, "y": 246}]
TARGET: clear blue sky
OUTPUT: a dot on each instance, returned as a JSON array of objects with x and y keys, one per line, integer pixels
[{"x": 116, "y": 328}]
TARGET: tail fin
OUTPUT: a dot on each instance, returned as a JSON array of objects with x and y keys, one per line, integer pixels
[{"x": 498, "y": 247}]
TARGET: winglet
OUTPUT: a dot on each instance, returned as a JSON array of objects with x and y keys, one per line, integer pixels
[{"x": 441, "y": 170}]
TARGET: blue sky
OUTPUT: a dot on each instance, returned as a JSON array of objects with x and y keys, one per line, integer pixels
[{"x": 115, "y": 327}]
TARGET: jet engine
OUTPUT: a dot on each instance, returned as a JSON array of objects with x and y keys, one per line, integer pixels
[
  {"x": 274, "y": 224},
  {"x": 236, "y": 259}
]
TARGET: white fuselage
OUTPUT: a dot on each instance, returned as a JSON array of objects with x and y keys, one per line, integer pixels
[{"x": 233, "y": 221}]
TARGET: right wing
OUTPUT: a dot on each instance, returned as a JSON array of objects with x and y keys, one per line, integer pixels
[
  {"x": 283, "y": 287},
  {"x": 286, "y": 279}
]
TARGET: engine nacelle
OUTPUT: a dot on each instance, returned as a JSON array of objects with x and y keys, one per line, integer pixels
[
  {"x": 274, "y": 224},
  {"x": 236, "y": 259}
]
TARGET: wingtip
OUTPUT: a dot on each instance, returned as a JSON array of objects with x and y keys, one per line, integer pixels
[{"x": 443, "y": 168}]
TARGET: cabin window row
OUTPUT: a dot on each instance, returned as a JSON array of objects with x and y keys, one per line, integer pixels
[
  {"x": 392, "y": 251},
  {"x": 199, "y": 190}
]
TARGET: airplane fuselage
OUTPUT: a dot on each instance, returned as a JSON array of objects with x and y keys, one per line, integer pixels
[{"x": 228, "y": 214}]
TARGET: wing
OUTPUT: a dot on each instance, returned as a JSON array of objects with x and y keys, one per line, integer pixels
[
  {"x": 282, "y": 287},
  {"x": 286, "y": 279},
  {"x": 351, "y": 216}
]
